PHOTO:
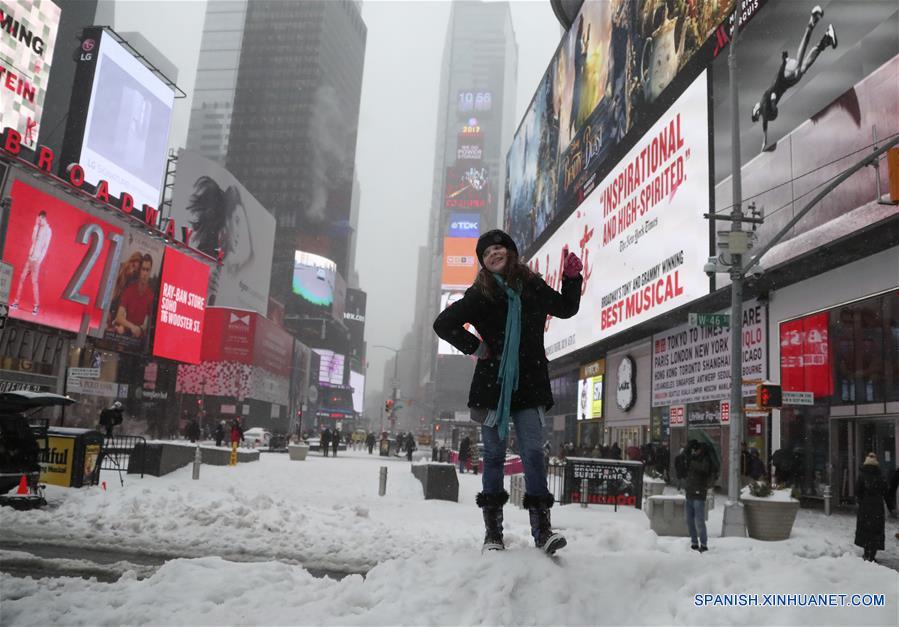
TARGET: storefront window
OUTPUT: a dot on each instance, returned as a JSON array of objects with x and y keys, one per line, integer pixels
[
  {"x": 891, "y": 341},
  {"x": 805, "y": 436},
  {"x": 858, "y": 332}
]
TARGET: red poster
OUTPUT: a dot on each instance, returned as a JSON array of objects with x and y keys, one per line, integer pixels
[
  {"x": 59, "y": 254},
  {"x": 182, "y": 305},
  {"x": 228, "y": 335},
  {"x": 805, "y": 355}
]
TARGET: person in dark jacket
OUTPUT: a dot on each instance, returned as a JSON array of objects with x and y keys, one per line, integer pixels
[
  {"x": 325, "y": 441},
  {"x": 663, "y": 461},
  {"x": 755, "y": 467},
  {"x": 615, "y": 451},
  {"x": 872, "y": 493},
  {"x": 370, "y": 442},
  {"x": 464, "y": 453},
  {"x": 508, "y": 305},
  {"x": 335, "y": 442},
  {"x": 699, "y": 475},
  {"x": 410, "y": 446},
  {"x": 110, "y": 417},
  {"x": 219, "y": 433}
]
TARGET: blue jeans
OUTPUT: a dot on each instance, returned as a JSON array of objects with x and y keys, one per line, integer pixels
[
  {"x": 695, "y": 510},
  {"x": 529, "y": 432}
]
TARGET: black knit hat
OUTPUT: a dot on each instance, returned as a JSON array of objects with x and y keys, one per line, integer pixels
[{"x": 490, "y": 238}]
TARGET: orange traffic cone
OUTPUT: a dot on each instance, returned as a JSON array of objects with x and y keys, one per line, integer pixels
[{"x": 23, "y": 486}]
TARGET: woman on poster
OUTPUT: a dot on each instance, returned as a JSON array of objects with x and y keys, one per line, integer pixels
[{"x": 508, "y": 305}]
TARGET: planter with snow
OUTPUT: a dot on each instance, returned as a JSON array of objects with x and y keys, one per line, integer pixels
[
  {"x": 652, "y": 486},
  {"x": 770, "y": 517},
  {"x": 297, "y": 452}
]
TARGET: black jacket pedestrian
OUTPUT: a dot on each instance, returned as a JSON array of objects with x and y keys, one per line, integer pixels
[
  {"x": 489, "y": 318},
  {"x": 465, "y": 448},
  {"x": 871, "y": 492},
  {"x": 615, "y": 451},
  {"x": 699, "y": 473},
  {"x": 219, "y": 434}
]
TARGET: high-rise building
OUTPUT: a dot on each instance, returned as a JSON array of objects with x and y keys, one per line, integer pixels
[
  {"x": 474, "y": 130},
  {"x": 213, "y": 97},
  {"x": 293, "y": 127}
]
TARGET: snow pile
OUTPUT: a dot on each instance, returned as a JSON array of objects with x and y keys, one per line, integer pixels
[{"x": 424, "y": 558}]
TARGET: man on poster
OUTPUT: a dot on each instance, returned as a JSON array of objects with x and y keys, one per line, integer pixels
[
  {"x": 791, "y": 72},
  {"x": 133, "y": 315},
  {"x": 40, "y": 243}
]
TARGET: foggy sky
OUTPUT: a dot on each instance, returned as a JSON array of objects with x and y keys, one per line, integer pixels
[{"x": 397, "y": 127}]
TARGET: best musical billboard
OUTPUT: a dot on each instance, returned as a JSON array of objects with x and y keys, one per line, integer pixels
[
  {"x": 118, "y": 126},
  {"x": 27, "y": 38},
  {"x": 460, "y": 262},
  {"x": 224, "y": 216},
  {"x": 60, "y": 257},
  {"x": 608, "y": 81},
  {"x": 182, "y": 307},
  {"x": 642, "y": 227}
]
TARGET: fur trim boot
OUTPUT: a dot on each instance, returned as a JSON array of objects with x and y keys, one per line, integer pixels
[
  {"x": 492, "y": 508},
  {"x": 541, "y": 526}
]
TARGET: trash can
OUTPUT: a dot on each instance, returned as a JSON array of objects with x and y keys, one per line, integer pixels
[
  {"x": 72, "y": 459},
  {"x": 384, "y": 447}
]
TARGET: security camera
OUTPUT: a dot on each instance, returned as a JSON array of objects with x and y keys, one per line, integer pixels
[
  {"x": 711, "y": 266},
  {"x": 756, "y": 271}
]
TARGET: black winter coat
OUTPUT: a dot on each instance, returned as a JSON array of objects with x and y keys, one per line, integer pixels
[
  {"x": 699, "y": 471},
  {"x": 871, "y": 493},
  {"x": 538, "y": 300}
]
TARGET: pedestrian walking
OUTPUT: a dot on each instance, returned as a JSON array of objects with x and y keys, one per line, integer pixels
[
  {"x": 699, "y": 476},
  {"x": 464, "y": 453},
  {"x": 325, "y": 441},
  {"x": 508, "y": 305},
  {"x": 335, "y": 442},
  {"x": 615, "y": 451},
  {"x": 370, "y": 442},
  {"x": 872, "y": 493},
  {"x": 410, "y": 446},
  {"x": 236, "y": 432},
  {"x": 110, "y": 417},
  {"x": 219, "y": 433}
]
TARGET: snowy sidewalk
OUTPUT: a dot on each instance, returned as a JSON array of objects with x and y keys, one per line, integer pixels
[{"x": 422, "y": 557}]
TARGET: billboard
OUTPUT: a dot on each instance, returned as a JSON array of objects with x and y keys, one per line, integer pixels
[
  {"x": 331, "y": 367},
  {"x": 63, "y": 260},
  {"x": 607, "y": 82},
  {"x": 314, "y": 278},
  {"x": 182, "y": 305},
  {"x": 467, "y": 187},
  {"x": 134, "y": 292},
  {"x": 642, "y": 228},
  {"x": 224, "y": 216},
  {"x": 118, "y": 126},
  {"x": 474, "y": 102},
  {"x": 460, "y": 262},
  {"x": 464, "y": 225},
  {"x": 447, "y": 298},
  {"x": 589, "y": 393},
  {"x": 805, "y": 363},
  {"x": 357, "y": 382},
  {"x": 354, "y": 319},
  {"x": 27, "y": 38},
  {"x": 246, "y": 337},
  {"x": 804, "y": 123}
]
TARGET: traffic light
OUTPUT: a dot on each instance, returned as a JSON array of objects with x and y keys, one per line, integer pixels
[
  {"x": 388, "y": 405},
  {"x": 436, "y": 427},
  {"x": 768, "y": 396},
  {"x": 299, "y": 413}
]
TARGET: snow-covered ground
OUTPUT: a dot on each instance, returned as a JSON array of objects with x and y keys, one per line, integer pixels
[{"x": 247, "y": 533}]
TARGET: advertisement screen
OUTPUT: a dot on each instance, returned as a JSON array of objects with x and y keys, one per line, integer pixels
[
  {"x": 27, "y": 39},
  {"x": 331, "y": 367},
  {"x": 641, "y": 230},
  {"x": 805, "y": 364},
  {"x": 469, "y": 147},
  {"x": 59, "y": 256},
  {"x": 182, "y": 305},
  {"x": 127, "y": 130},
  {"x": 467, "y": 187},
  {"x": 354, "y": 319},
  {"x": 589, "y": 393},
  {"x": 447, "y": 299},
  {"x": 804, "y": 123},
  {"x": 314, "y": 278},
  {"x": 610, "y": 76},
  {"x": 357, "y": 382},
  {"x": 474, "y": 102},
  {"x": 464, "y": 225},
  {"x": 223, "y": 215},
  {"x": 134, "y": 293},
  {"x": 460, "y": 262}
]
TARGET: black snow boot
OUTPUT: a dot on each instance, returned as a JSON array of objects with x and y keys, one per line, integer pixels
[
  {"x": 541, "y": 526},
  {"x": 492, "y": 508}
]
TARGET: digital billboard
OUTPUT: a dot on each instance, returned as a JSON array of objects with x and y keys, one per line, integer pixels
[
  {"x": 63, "y": 260},
  {"x": 608, "y": 81},
  {"x": 246, "y": 337},
  {"x": 589, "y": 393},
  {"x": 354, "y": 319},
  {"x": 182, "y": 305},
  {"x": 314, "y": 278},
  {"x": 469, "y": 101},
  {"x": 460, "y": 262},
  {"x": 134, "y": 292},
  {"x": 357, "y": 382},
  {"x": 464, "y": 225},
  {"x": 225, "y": 217},
  {"x": 447, "y": 298},
  {"x": 467, "y": 187},
  {"x": 642, "y": 230},
  {"x": 124, "y": 137},
  {"x": 331, "y": 367},
  {"x": 27, "y": 39}
]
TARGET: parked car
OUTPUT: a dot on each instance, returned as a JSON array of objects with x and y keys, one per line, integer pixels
[{"x": 257, "y": 437}]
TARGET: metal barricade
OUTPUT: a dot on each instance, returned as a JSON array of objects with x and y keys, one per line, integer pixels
[{"x": 117, "y": 452}]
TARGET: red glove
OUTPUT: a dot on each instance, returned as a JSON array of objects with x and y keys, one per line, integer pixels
[{"x": 572, "y": 266}]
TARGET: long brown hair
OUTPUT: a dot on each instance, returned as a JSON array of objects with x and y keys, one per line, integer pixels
[{"x": 515, "y": 274}]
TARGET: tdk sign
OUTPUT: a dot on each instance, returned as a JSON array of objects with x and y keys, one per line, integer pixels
[{"x": 465, "y": 225}]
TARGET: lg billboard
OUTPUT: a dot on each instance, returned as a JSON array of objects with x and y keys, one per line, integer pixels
[
  {"x": 27, "y": 38},
  {"x": 224, "y": 216}
]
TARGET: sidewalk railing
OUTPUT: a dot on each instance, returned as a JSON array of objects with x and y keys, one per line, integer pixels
[{"x": 117, "y": 452}]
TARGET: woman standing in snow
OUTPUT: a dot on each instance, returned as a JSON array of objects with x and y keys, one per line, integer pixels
[
  {"x": 871, "y": 492},
  {"x": 508, "y": 305}
]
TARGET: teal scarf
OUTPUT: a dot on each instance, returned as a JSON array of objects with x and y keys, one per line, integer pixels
[{"x": 508, "y": 365}]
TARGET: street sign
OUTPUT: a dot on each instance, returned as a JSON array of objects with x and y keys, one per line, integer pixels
[
  {"x": 798, "y": 398},
  {"x": 5, "y": 281},
  {"x": 84, "y": 373},
  {"x": 709, "y": 320}
]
